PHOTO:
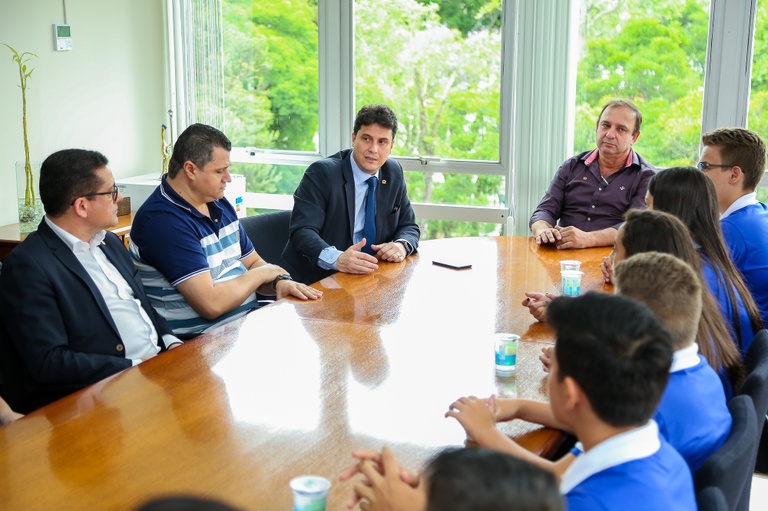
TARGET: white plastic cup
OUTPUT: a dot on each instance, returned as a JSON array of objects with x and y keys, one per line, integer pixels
[
  {"x": 571, "y": 282},
  {"x": 570, "y": 264},
  {"x": 310, "y": 493}
]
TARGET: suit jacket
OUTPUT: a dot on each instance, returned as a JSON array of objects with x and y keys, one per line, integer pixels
[
  {"x": 323, "y": 213},
  {"x": 58, "y": 335}
]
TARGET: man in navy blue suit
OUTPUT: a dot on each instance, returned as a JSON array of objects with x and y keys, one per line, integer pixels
[
  {"x": 351, "y": 210},
  {"x": 73, "y": 308}
]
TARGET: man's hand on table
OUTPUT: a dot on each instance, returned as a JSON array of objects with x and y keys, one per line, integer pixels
[
  {"x": 544, "y": 233},
  {"x": 292, "y": 288},
  {"x": 571, "y": 237},
  {"x": 393, "y": 251},
  {"x": 354, "y": 261}
]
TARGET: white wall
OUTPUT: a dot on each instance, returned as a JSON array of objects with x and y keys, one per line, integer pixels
[{"x": 108, "y": 94}]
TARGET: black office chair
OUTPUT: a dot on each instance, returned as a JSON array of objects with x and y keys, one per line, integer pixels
[
  {"x": 730, "y": 468},
  {"x": 269, "y": 233},
  {"x": 758, "y": 351},
  {"x": 711, "y": 498},
  {"x": 756, "y": 386}
]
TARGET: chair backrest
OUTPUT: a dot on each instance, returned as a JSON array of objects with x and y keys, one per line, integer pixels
[
  {"x": 757, "y": 352},
  {"x": 711, "y": 498},
  {"x": 13, "y": 374},
  {"x": 730, "y": 468},
  {"x": 756, "y": 387},
  {"x": 269, "y": 233}
]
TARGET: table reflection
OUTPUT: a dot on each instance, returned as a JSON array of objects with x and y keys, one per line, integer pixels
[{"x": 294, "y": 387}]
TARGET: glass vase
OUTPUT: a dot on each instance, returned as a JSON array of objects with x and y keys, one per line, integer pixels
[{"x": 28, "y": 197}]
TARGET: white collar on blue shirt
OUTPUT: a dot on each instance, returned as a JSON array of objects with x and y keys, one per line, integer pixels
[
  {"x": 73, "y": 241},
  {"x": 632, "y": 445},
  {"x": 685, "y": 358},
  {"x": 741, "y": 202}
]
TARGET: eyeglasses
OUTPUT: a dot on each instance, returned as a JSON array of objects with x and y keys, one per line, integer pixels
[
  {"x": 113, "y": 193},
  {"x": 704, "y": 166}
]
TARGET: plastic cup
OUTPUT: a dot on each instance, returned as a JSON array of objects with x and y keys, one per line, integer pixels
[
  {"x": 506, "y": 352},
  {"x": 571, "y": 282},
  {"x": 570, "y": 264},
  {"x": 309, "y": 493}
]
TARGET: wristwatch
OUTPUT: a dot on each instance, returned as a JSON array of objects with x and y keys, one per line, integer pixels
[{"x": 282, "y": 276}]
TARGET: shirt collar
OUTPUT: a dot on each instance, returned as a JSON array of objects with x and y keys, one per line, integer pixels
[
  {"x": 360, "y": 176},
  {"x": 591, "y": 157},
  {"x": 174, "y": 198},
  {"x": 72, "y": 241},
  {"x": 632, "y": 445},
  {"x": 741, "y": 202},
  {"x": 685, "y": 358}
]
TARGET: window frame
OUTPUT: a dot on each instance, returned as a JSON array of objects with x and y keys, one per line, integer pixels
[{"x": 530, "y": 66}]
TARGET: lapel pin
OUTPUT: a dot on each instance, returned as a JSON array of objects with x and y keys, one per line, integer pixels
[
  {"x": 585, "y": 178},
  {"x": 383, "y": 181}
]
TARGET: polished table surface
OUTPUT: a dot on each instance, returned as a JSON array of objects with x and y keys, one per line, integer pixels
[{"x": 294, "y": 387}]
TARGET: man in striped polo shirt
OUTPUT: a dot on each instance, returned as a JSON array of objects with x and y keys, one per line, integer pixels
[{"x": 196, "y": 262}]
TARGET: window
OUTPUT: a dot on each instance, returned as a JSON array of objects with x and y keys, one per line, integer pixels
[
  {"x": 758, "y": 98},
  {"x": 438, "y": 66},
  {"x": 651, "y": 52},
  {"x": 492, "y": 95}
]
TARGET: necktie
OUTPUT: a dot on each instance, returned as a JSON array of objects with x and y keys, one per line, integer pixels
[{"x": 369, "y": 228}]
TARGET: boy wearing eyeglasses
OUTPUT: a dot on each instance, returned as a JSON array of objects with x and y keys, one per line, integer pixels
[{"x": 734, "y": 159}]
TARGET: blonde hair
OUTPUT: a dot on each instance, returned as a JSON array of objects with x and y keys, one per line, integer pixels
[{"x": 668, "y": 286}]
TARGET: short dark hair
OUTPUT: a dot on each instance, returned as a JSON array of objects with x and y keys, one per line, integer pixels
[
  {"x": 376, "y": 114},
  {"x": 739, "y": 146},
  {"x": 68, "y": 174},
  {"x": 196, "y": 144},
  {"x": 626, "y": 104},
  {"x": 616, "y": 351},
  {"x": 486, "y": 480}
]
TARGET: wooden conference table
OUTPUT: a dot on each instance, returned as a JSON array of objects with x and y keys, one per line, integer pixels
[{"x": 294, "y": 387}]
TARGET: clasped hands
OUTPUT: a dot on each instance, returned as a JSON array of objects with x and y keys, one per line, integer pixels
[
  {"x": 352, "y": 260},
  {"x": 387, "y": 486},
  {"x": 563, "y": 237}
]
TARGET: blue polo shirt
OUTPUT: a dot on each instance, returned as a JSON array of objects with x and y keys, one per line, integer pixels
[
  {"x": 171, "y": 242},
  {"x": 633, "y": 470},
  {"x": 692, "y": 415},
  {"x": 745, "y": 229}
]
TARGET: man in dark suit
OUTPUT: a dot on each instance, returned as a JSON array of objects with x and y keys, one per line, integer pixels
[
  {"x": 73, "y": 308},
  {"x": 352, "y": 209}
]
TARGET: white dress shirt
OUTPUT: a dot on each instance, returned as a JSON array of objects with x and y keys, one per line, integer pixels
[{"x": 134, "y": 325}]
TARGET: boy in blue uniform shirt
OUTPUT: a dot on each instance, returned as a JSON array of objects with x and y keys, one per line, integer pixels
[
  {"x": 608, "y": 374},
  {"x": 734, "y": 159},
  {"x": 692, "y": 415}
]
